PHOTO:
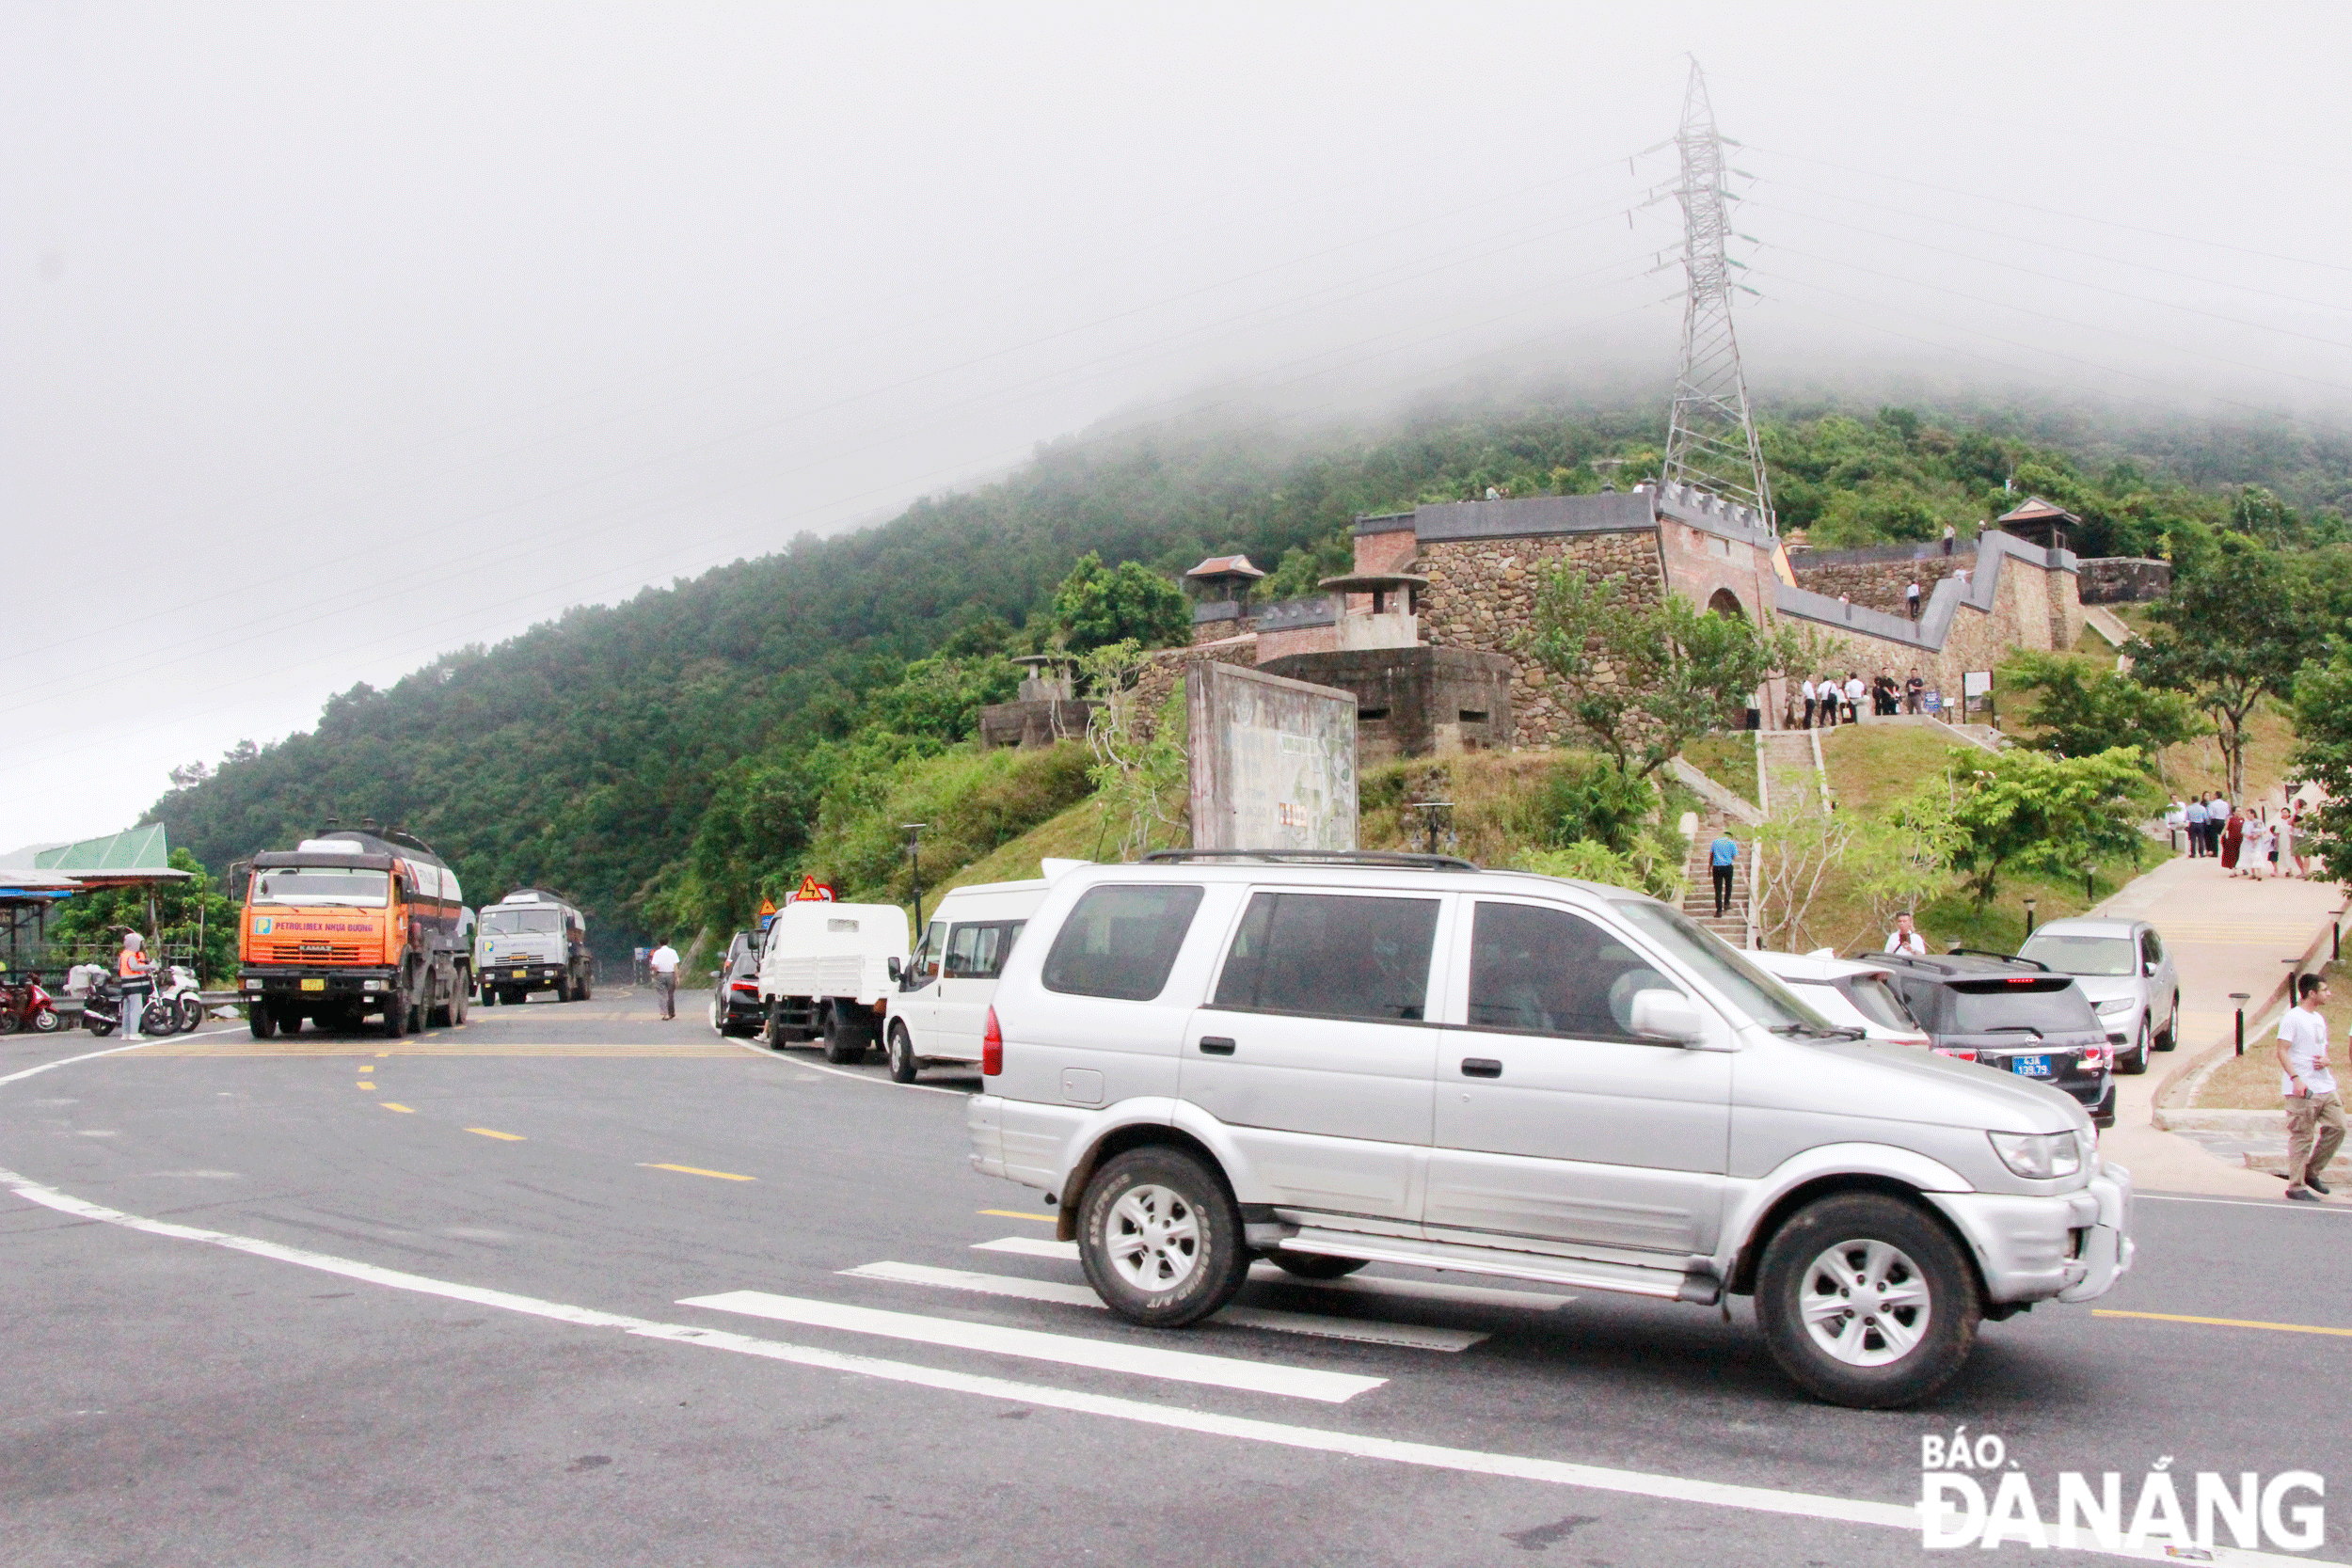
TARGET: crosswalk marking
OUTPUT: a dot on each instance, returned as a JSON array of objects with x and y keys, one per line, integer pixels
[
  {"x": 1412, "y": 1336},
  {"x": 1029, "y": 1246},
  {"x": 1222, "y": 1371},
  {"x": 1418, "y": 1290}
]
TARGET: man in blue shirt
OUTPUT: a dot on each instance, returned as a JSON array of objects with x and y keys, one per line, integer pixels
[
  {"x": 1722, "y": 856},
  {"x": 2197, "y": 828}
]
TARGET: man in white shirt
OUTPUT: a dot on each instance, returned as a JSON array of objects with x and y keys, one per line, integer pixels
[
  {"x": 2314, "y": 1112},
  {"x": 1806, "y": 692},
  {"x": 1854, "y": 690},
  {"x": 664, "y": 964},
  {"x": 1905, "y": 937}
]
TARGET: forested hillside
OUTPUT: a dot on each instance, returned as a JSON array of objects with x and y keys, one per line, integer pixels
[{"x": 632, "y": 755}]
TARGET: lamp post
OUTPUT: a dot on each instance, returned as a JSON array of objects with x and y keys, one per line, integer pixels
[
  {"x": 1432, "y": 808},
  {"x": 2030, "y": 909},
  {"x": 2241, "y": 998},
  {"x": 914, "y": 859}
]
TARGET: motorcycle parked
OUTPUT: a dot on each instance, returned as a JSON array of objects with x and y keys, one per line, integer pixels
[
  {"x": 102, "y": 1012},
  {"x": 24, "y": 1006},
  {"x": 175, "y": 988}
]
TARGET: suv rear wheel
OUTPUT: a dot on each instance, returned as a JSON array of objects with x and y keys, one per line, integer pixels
[
  {"x": 1867, "y": 1302},
  {"x": 1161, "y": 1238}
]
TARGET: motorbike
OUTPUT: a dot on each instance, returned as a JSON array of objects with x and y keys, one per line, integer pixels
[
  {"x": 102, "y": 1011},
  {"x": 24, "y": 1006},
  {"x": 175, "y": 988}
]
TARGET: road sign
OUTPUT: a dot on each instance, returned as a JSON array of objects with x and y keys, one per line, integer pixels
[{"x": 811, "y": 891}]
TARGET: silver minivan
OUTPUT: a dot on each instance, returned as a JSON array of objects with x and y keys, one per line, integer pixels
[{"x": 1334, "y": 1060}]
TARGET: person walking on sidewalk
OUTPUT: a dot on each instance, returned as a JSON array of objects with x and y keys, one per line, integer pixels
[
  {"x": 2314, "y": 1110},
  {"x": 664, "y": 962},
  {"x": 2196, "y": 829},
  {"x": 1806, "y": 692},
  {"x": 1722, "y": 856}
]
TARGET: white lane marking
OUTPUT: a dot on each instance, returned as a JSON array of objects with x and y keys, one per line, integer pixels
[
  {"x": 69, "y": 1061},
  {"x": 844, "y": 1072},
  {"x": 1475, "y": 1295},
  {"x": 1417, "y": 1290},
  {"x": 1029, "y": 1246},
  {"x": 1412, "y": 1336},
  {"x": 1220, "y": 1371},
  {"x": 2282, "y": 1207},
  {"x": 1554, "y": 1472}
]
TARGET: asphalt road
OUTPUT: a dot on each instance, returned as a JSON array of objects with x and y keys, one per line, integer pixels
[{"x": 455, "y": 1328}]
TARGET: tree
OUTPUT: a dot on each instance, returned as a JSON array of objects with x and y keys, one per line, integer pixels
[
  {"x": 2031, "y": 811},
  {"x": 1798, "y": 847},
  {"x": 1642, "y": 679},
  {"x": 1139, "y": 769},
  {"x": 2079, "y": 709},
  {"x": 1095, "y": 607},
  {"x": 184, "y": 911},
  {"x": 2323, "y": 755},
  {"x": 2232, "y": 633}
]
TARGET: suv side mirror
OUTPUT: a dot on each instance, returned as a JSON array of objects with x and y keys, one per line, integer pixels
[
  {"x": 1667, "y": 1015},
  {"x": 2149, "y": 968},
  {"x": 897, "y": 970}
]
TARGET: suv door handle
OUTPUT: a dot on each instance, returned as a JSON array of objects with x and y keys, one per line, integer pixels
[
  {"x": 1216, "y": 1045},
  {"x": 1480, "y": 1066}
]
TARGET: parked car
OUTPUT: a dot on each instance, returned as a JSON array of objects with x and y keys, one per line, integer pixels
[
  {"x": 947, "y": 986},
  {"x": 734, "y": 1004},
  {"x": 2013, "y": 1014},
  {"x": 1331, "y": 1060},
  {"x": 828, "y": 971},
  {"x": 2127, "y": 973},
  {"x": 1852, "y": 991}
]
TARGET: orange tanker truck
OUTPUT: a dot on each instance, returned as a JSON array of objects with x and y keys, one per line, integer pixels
[{"x": 351, "y": 926}]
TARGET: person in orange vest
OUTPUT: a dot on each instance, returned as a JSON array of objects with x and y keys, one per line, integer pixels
[{"x": 137, "y": 972}]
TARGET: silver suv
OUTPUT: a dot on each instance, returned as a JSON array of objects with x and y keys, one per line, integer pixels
[
  {"x": 1330, "y": 1061},
  {"x": 2126, "y": 973}
]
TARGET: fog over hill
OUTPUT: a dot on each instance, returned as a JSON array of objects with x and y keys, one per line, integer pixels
[{"x": 340, "y": 341}]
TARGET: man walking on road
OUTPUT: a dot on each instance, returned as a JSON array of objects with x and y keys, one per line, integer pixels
[
  {"x": 2314, "y": 1112},
  {"x": 1722, "y": 856},
  {"x": 664, "y": 962}
]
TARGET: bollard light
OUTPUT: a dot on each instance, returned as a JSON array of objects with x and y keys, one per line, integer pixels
[
  {"x": 2030, "y": 909},
  {"x": 2241, "y": 998}
]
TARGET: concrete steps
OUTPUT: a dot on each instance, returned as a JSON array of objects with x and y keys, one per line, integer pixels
[{"x": 1698, "y": 898}]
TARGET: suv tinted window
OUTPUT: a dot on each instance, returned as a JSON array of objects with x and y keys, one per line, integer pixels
[
  {"x": 1332, "y": 956},
  {"x": 1121, "y": 942},
  {"x": 1552, "y": 973},
  {"x": 1984, "y": 1007},
  {"x": 2152, "y": 947}
]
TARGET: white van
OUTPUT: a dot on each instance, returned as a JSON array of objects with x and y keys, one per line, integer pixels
[
  {"x": 829, "y": 970},
  {"x": 948, "y": 985}
]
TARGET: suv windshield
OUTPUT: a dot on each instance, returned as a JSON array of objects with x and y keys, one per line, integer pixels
[
  {"x": 2080, "y": 954},
  {"x": 1990, "y": 1007},
  {"x": 1746, "y": 986},
  {"x": 320, "y": 884},
  {"x": 507, "y": 922}
]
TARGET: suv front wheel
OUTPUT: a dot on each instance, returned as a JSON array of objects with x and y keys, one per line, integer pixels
[
  {"x": 1867, "y": 1302},
  {"x": 1161, "y": 1238}
]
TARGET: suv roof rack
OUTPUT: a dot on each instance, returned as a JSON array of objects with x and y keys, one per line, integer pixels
[
  {"x": 1392, "y": 858},
  {"x": 1937, "y": 961},
  {"x": 1999, "y": 958}
]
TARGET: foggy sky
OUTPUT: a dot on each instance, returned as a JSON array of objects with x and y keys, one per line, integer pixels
[{"x": 338, "y": 336}]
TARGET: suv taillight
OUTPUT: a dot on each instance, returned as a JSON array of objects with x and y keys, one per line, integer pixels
[
  {"x": 992, "y": 1048},
  {"x": 1956, "y": 1052}
]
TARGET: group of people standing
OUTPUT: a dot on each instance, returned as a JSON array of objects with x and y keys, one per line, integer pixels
[
  {"x": 1828, "y": 702},
  {"x": 2248, "y": 843}
]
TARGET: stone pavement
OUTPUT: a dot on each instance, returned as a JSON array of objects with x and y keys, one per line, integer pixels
[{"x": 2226, "y": 935}]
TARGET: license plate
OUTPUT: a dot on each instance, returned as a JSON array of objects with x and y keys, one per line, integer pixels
[
  {"x": 2030, "y": 1066},
  {"x": 313, "y": 985},
  {"x": 520, "y": 974}
]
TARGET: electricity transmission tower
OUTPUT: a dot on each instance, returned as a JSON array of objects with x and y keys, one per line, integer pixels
[{"x": 1711, "y": 441}]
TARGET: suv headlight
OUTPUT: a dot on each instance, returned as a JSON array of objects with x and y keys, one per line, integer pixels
[
  {"x": 2040, "y": 1156},
  {"x": 2117, "y": 1004}
]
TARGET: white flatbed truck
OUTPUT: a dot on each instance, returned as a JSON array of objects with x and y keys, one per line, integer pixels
[{"x": 825, "y": 974}]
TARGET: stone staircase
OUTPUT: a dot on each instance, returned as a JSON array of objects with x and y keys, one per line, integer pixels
[
  {"x": 1698, "y": 895},
  {"x": 1792, "y": 773}
]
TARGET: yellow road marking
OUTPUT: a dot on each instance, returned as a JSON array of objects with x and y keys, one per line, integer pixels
[
  {"x": 697, "y": 1170},
  {"x": 390, "y": 1106},
  {"x": 2222, "y": 1323},
  {"x": 370, "y": 1087},
  {"x": 488, "y": 1132},
  {"x": 1017, "y": 1214}
]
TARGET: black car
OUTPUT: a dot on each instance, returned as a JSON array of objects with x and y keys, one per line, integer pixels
[
  {"x": 2013, "y": 1015},
  {"x": 734, "y": 1004}
]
